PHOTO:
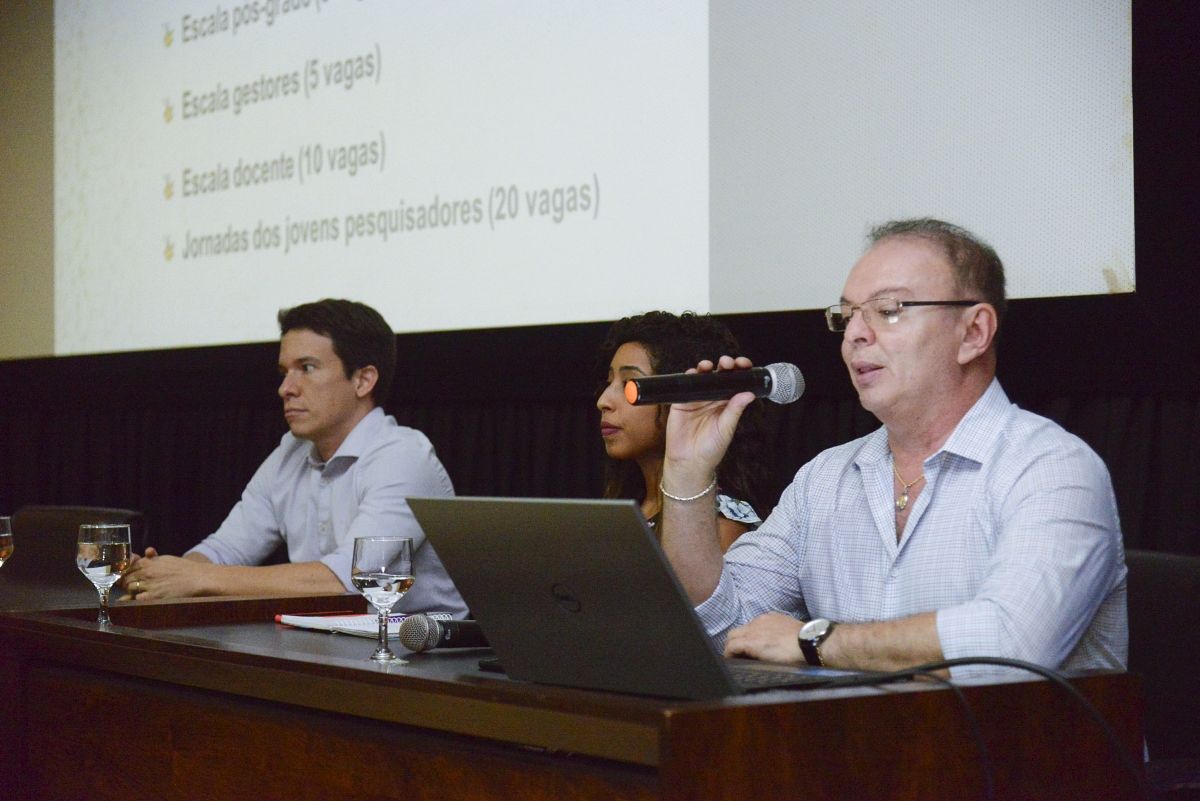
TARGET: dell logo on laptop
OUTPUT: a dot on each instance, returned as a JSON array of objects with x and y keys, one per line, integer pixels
[{"x": 565, "y": 598}]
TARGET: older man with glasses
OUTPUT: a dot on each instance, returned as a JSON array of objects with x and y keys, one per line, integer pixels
[{"x": 964, "y": 527}]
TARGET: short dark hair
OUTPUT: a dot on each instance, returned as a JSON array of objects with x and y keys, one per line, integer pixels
[
  {"x": 977, "y": 268},
  {"x": 675, "y": 343},
  {"x": 360, "y": 337}
]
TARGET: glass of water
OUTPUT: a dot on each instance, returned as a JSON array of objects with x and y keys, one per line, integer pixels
[
  {"x": 103, "y": 555},
  {"x": 382, "y": 571},
  {"x": 6, "y": 540}
]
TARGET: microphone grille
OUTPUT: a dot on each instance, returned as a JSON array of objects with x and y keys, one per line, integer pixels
[
  {"x": 419, "y": 633},
  {"x": 787, "y": 382}
]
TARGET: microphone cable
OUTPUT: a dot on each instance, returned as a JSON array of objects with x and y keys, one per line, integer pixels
[{"x": 985, "y": 756}]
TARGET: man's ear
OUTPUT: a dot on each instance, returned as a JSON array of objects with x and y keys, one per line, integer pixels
[
  {"x": 979, "y": 332},
  {"x": 365, "y": 379}
]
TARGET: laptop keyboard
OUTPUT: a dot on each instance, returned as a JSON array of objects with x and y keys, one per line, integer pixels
[{"x": 750, "y": 677}]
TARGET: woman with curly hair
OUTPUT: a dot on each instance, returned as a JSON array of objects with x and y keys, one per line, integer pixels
[{"x": 656, "y": 343}]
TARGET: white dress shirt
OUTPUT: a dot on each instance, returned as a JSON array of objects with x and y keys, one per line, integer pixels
[
  {"x": 318, "y": 508},
  {"x": 1014, "y": 542}
]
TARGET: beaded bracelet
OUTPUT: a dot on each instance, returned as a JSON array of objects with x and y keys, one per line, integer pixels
[{"x": 695, "y": 497}]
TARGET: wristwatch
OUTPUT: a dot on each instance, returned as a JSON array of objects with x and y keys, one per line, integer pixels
[{"x": 812, "y": 634}]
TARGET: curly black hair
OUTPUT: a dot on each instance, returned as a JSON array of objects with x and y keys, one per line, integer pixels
[{"x": 674, "y": 344}]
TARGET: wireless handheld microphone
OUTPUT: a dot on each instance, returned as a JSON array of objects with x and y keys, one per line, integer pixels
[
  {"x": 779, "y": 383},
  {"x": 421, "y": 633}
]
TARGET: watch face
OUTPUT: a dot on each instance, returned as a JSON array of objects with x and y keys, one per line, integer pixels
[{"x": 814, "y": 629}]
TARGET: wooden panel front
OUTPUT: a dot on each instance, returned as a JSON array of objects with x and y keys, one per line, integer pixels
[
  {"x": 99, "y": 736},
  {"x": 912, "y": 744},
  {"x": 225, "y": 704}
]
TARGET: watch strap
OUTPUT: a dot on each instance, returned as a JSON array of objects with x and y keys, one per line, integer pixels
[
  {"x": 811, "y": 646},
  {"x": 811, "y": 655}
]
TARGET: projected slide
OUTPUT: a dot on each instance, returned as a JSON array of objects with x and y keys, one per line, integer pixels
[
  {"x": 522, "y": 162},
  {"x": 457, "y": 165}
]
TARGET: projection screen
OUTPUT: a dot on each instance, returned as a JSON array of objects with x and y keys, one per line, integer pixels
[{"x": 467, "y": 165}]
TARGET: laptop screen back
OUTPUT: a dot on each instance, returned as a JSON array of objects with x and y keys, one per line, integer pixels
[{"x": 575, "y": 593}]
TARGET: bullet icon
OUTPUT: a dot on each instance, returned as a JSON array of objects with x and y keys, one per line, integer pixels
[
  {"x": 169, "y": 250},
  {"x": 168, "y": 35},
  {"x": 168, "y": 111},
  {"x": 168, "y": 188}
]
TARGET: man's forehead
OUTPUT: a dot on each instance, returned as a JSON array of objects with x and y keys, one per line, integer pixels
[
  {"x": 300, "y": 344},
  {"x": 899, "y": 265}
]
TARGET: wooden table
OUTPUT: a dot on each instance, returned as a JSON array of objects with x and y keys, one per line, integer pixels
[{"x": 211, "y": 699}]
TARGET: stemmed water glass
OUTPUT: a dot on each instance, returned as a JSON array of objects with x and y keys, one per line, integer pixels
[
  {"x": 382, "y": 571},
  {"x": 6, "y": 540},
  {"x": 103, "y": 555}
]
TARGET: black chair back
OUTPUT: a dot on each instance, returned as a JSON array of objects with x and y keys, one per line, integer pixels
[
  {"x": 1164, "y": 642},
  {"x": 41, "y": 573}
]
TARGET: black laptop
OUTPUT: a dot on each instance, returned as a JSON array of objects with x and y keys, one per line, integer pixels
[{"x": 579, "y": 593}]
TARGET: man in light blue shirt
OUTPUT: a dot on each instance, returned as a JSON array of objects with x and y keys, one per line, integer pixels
[
  {"x": 963, "y": 527},
  {"x": 343, "y": 470}
]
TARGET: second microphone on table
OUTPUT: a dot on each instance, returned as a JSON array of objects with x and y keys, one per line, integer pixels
[
  {"x": 421, "y": 632},
  {"x": 780, "y": 383}
]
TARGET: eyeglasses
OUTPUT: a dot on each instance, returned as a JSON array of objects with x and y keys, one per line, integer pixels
[{"x": 837, "y": 317}]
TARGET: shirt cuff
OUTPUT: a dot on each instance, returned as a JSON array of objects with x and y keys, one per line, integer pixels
[
  {"x": 963, "y": 632},
  {"x": 339, "y": 564},
  {"x": 206, "y": 552}
]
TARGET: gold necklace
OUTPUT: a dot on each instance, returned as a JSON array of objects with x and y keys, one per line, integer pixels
[{"x": 902, "y": 501}]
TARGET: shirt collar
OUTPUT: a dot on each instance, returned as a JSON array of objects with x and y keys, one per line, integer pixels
[
  {"x": 972, "y": 438},
  {"x": 975, "y": 434},
  {"x": 355, "y": 443}
]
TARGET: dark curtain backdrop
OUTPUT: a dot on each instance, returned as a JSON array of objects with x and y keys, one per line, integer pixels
[{"x": 178, "y": 433}]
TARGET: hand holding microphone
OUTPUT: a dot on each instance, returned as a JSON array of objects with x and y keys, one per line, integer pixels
[{"x": 697, "y": 437}]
